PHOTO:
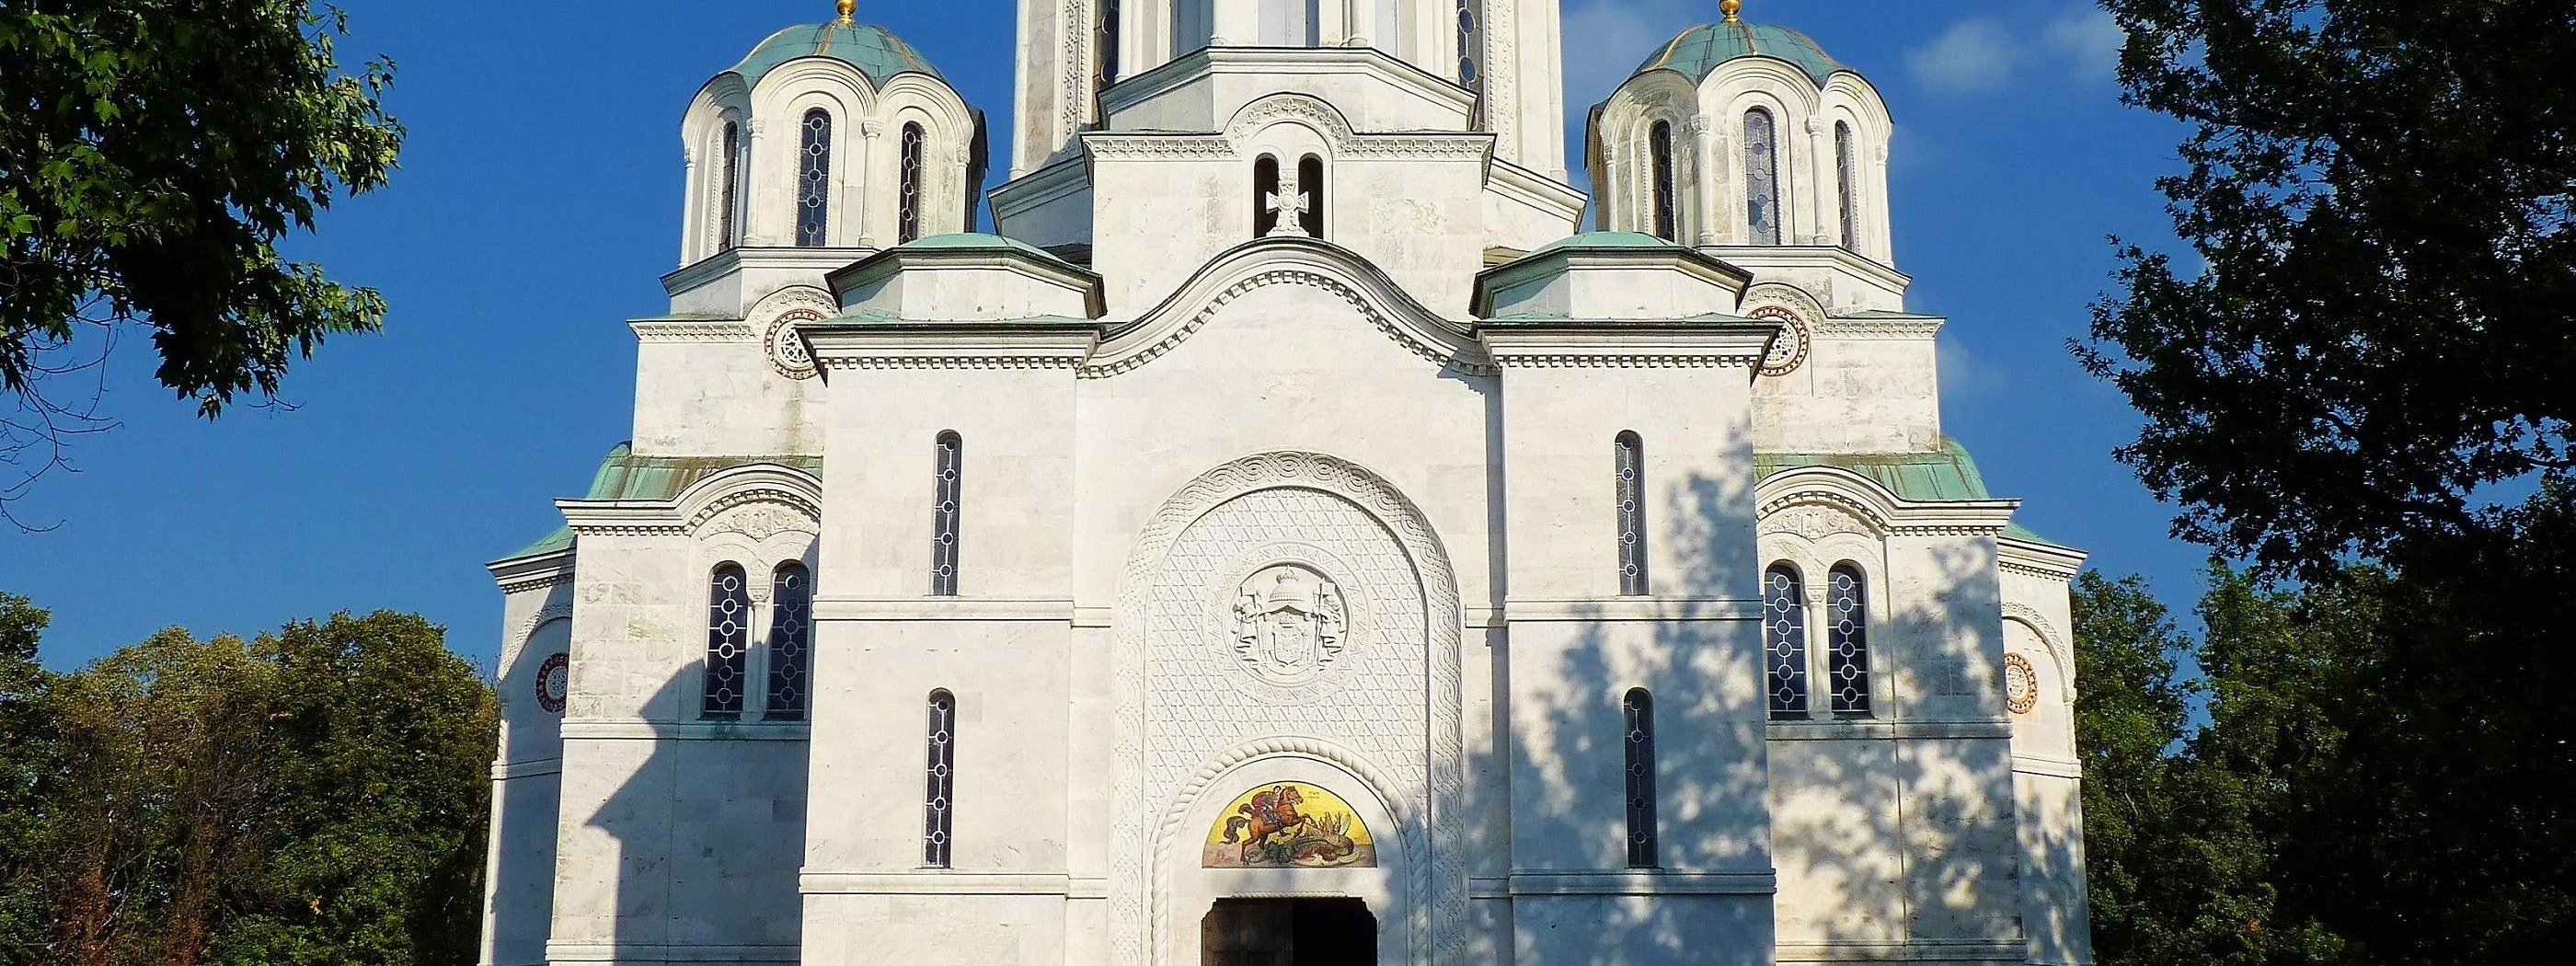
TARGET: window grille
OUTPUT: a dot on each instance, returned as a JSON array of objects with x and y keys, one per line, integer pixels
[
  {"x": 814, "y": 181},
  {"x": 1660, "y": 148},
  {"x": 791, "y": 642},
  {"x": 1639, "y": 712},
  {"x": 1784, "y": 640},
  {"x": 943, "y": 547},
  {"x": 1847, "y": 639},
  {"x": 728, "y": 642},
  {"x": 1762, "y": 177},
  {"x": 908, "y": 210},
  {"x": 940, "y": 801},
  {"x": 1631, "y": 484},
  {"x": 1470, "y": 39}
]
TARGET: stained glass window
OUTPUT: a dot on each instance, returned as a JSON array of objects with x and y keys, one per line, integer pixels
[
  {"x": 1108, "y": 40},
  {"x": 728, "y": 169},
  {"x": 1470, "y": 40},
  {"x": 1762, "y": 177},
  {"x": 940, "y": 800},
  {"x": 1659, "y": 146},
  {"x": 791, "y": 641},
  {"x": 1631, "y": 483},
  {"x": 814, "y": 181},
  {"x": 943, "y": 546},
  {"x": 908, "y": 199},
  {"x": 1639, "y": 713},
  {"x": 1847, "y": 639},
  {"x": 1850, "y": 180},
  {"x": 728, "y": 642},
  {"x": 1784, "y": 640}
]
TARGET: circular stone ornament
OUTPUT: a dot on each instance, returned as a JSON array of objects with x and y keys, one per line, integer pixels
[
  {"x": 777, "y": 317},
  {"x": 554, "y": 683},
  {"x": 2021, "y": 684},
  {"x": 1789, "y": 351}
]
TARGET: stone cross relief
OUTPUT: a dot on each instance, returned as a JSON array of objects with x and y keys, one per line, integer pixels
[{"x": 1291, "y": 208}]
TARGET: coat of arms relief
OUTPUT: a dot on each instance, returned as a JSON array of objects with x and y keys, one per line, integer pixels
[{"x": 1290, "y": 624}]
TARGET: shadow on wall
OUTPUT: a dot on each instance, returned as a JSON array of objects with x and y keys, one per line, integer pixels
[
  {"x": 1876, "y": 841},
  {"x": 702, "y": 840}
]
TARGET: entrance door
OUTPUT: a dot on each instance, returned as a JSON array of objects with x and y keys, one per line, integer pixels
[{"x": 1288, "y": 932}]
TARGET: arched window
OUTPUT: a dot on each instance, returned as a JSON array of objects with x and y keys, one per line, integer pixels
[
  {"x": 1639, "y": 711},
  {"x": 728, "y": 642},
  {"x": 728, "y": 169},
  {"x": 1761, "y": 177},
  {"x": 1659, "y": 147},
  {"x": 951, "y": 456},
  {"x": 1847, "y": 639},
  {"x": 1471, "y": 39},
  {"x": 1265, "y": 196},
  {"x": 814, "y": 181},
  {"x": 1108, "y": 41},
  {"x": 908, "y": 191},
  {"x": 939, "y": 803},
  {"x": 791, "y": 641},
  {"x": 1850, "y": 181},
  {"x": 1631, "y": 483},
  {"x": 1784, "y": 640},
  {"x": 1310, "y": 191}
]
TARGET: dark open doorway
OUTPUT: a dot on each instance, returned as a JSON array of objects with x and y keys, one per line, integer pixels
[{"x": 1288, "y": 932}]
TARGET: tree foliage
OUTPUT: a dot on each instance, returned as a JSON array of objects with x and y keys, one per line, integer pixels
[
  {"x": 152, "y": 155},
  {"x": 2380, "y": 206},
  {"x": 311, "y": 796}
]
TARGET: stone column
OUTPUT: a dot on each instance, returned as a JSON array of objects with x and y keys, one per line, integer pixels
[
  {"x": 871, "y": 132},
  {"x": 759, "y": 206},
  {"x": 692, "y": 221},
  {"x": 1826, "y": 196},
  {"x": 1711, "y": 168}
]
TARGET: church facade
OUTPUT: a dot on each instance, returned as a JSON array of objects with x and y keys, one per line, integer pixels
[{"x": 1286, "y": 536}]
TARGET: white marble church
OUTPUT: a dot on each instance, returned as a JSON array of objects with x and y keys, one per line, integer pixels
[{"x": 1287, "y": 538}]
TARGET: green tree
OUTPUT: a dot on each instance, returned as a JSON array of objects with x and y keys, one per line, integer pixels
[
  {"x": 29, "y": 755},
  {"x": 152, "y": 155},
  {"x": 2370, "y": 328}
]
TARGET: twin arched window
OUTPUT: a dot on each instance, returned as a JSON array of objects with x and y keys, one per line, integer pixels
[
  {"x": 1274, "y": 202},
  {"x": 1761, "y": 178},
  {"x": 1629, "y": 480},
  {"x": 1784, "y": 640},
  {"x": 908, "y": 188},
  {"x": 939, "y": 800},
  {"x": 725, "y": 695},
  {"x": 949, "y": 459},
  {"x": 814, "y": 180},
  {"x": 1659, "y": 148},
  {"x": 1638, "y": 713}
]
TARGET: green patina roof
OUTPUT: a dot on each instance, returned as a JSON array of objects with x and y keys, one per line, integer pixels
[
  {"x": 1599, "y": 239},
  {"x": 870, "y": 48},
  {"x": 977, "y": 239},
  {"x": 626, "y": 476},
  {"x": 1699, "y": 50},
  {"x": 1945, "y": 474}
]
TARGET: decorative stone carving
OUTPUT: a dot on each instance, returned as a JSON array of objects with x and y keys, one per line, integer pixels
[
  {"x": 2021, "y": 684},
  {"x": 777, "y": 317},
  {"x": 1290, "y": 625},
  {"x": 554, "y": 683},
  {"x": 760, "y": 521},
  {"x": 1789, "y": 351},
  {"x": 1816, "y": 523}
]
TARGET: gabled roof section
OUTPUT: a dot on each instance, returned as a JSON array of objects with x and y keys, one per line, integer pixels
[
  {"x": 623, "y": 475},
  {"x": 1947, "y": 474}
]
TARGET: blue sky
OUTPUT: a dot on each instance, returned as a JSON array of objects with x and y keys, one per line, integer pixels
[{"x": 538, "y": 203}]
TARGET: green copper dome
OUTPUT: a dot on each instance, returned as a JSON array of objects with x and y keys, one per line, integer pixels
[
  {"x": 878, "y": 54},
  {"x": 1699, "y": 50}
]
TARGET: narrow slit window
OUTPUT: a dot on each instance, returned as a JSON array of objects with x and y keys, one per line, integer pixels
[
  {"x": 1784, "y": 640},
  {"x": 1639, "y": 713},
  {"x": 814, "y": 181},
  {"x": 791, "y": 642},
  {"x": 908, "y": 198},
  {"x": 1265, "y": 196},
  {"x": 728, "y": 642},
  {"x": 729, "y": 169},
  {"x": 1470, "y": 38},
  {"x": 1849, "y": 179},
  {"x": 950, "y": 455},
  {"x": 1659, "y": 147},
  {"x": 1310, "y": 191},
  {"x": 1631, "y": 489},
  {"x": 1761, "y": 178},
  {"x": 1847, "y": 639},
  {"x": 939, "y": 808},
  {"x": 1109, "y": 14}
]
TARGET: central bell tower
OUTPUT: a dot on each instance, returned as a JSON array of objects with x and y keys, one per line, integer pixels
[{"x": 1507, "y": 52}]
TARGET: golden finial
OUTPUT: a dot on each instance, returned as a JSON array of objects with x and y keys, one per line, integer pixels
[
  {"x": 1731, "y": 8},
  {"x": 848, "y": 7}
]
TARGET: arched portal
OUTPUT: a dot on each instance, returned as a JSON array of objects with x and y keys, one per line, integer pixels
[{"x": 1288, "y": 618}]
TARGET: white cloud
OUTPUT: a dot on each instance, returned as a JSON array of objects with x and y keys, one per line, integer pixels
[
  {"x": 1973, "y": 57},
  {"x": 2090, "y": 40}
]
